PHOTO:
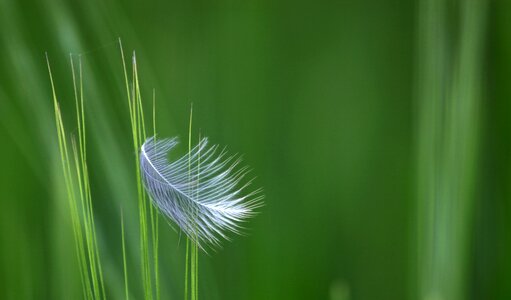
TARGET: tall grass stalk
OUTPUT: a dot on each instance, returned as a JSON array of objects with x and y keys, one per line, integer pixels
[
  {"x": 154, "y": 218},
  {"x": 79, "y": 192},
  {"x": 77, "y": 182},
  {"x": 449, "y": 97},
  {"x": 196, "y": 245},
  {"x": 192, "y": 249},
  {"x": 148, "y": 225}
]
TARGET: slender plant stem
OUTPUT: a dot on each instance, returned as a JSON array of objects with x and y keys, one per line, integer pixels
[
  {"x": 77, "y": 233},
  {"x": 139, "y": 133},
  {"x": 84, "y": 229},
  {"x": 189, "y": 248},
  {"x": 154, "y": 218},
  {"x": 196, "y": 244},
  {"x": 186, "y": 267}
]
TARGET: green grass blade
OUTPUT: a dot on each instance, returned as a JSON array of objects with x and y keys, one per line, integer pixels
[
  {"x": 154, "y": 219},
  {"x": 66, "y": 168}
]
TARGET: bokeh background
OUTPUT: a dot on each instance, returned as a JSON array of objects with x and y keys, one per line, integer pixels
[{"x": 380, "y": 131}]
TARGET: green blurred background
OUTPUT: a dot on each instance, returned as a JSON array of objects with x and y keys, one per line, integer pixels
[{"x": 380, "y": 131}]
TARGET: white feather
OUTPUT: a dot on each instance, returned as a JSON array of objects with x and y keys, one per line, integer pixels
[{"x": 200, "y": 191}]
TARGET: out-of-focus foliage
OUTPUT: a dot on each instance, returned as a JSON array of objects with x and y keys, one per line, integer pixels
[{"x": 330, "y": 104}]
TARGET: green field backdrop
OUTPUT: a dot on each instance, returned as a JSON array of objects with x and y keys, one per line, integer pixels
[{"x": 379, "y": 130}]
